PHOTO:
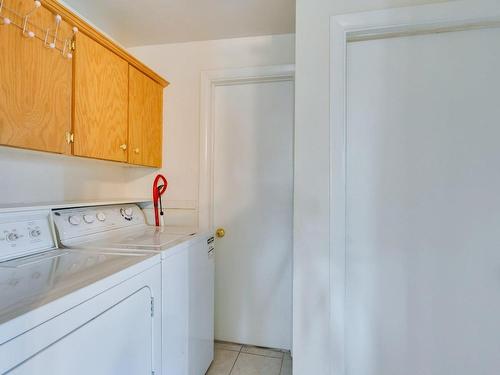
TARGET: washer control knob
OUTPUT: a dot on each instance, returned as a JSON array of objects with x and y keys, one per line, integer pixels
[
  {"x": 34, "y": 233},
  {"x": 12, "y": 237},
  {"x": 89, "y": 219},
  {"x": 101, "y": 216},
  {"x": 127, "y": 213},
  {"x": 74, "y": 220}
]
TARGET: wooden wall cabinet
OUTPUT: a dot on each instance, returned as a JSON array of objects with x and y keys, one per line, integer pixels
[
  {"x": 102, "y": 104},
  {"x": 100, "y": 124},
  {"x": 145, "y": 120},
  {"x": 35, "y": 86}
]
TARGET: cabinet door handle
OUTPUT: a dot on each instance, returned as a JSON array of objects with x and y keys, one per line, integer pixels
[
  {"x": 123, "y": 147},
  {"x": 136, "y": 150}
]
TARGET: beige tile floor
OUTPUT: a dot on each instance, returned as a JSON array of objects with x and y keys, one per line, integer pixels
[{"x": 237, "y": 359}]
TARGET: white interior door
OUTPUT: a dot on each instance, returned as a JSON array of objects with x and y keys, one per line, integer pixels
[
  {"x": 253, "y": 188},
  {"x": 423, "y": 205}
]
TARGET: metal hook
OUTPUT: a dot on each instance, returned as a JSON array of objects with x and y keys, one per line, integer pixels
[
  {"x": 51, "y": 40},
  {"x": 68, "y": 44},
  {"x": 45, "y": 39},
  {"x": 52, "y": 45},
  {"x": 58, "y": 22},
  {"x": 63, "y": 52},
  {"x": 66, "y": 51},
  {"x": 5, "y": 20},
  {"x": 26, "y": 32}
]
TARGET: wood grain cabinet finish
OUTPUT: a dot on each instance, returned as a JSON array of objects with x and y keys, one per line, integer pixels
[
  {"x": 100, "y": 123},
  {"x": 45, "y": 96},
  {"x": 35, "y": 85},
  {"x": 145, "y": 120}
]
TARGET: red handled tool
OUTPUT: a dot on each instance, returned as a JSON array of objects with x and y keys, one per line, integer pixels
[{"x": 159, "y": 187}]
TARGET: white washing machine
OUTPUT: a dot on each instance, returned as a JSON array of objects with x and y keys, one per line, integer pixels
[
  {"x": 74, "y": 312},
  {"x": 187, "y": 275}
]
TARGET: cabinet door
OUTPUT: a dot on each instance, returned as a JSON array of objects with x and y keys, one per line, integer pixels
[
  {"x": 145, "y": 119},
  {"x": 35, "y": 84},
  {"x": 101, "y": 102}
]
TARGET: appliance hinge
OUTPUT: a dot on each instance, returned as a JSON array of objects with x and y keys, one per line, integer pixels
[
  {"x": 70, "y": 138},
  {"x": 152, "y": 306}
]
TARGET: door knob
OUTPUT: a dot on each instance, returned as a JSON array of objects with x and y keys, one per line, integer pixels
[
  {"x": 123, "y": 147},
  {"x": 220, "y": 232},
  {"x": 136, "y": 150}
]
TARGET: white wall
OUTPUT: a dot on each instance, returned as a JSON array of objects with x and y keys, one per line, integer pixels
[
  {"x": 312, "y": 163},
  {"x": 27, "y": 176},
  {"x": 182, "y": 64}
]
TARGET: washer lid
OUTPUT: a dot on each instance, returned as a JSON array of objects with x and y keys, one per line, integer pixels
[
  {"x": 154, "y": 237},
  {"x": 143, "y": 238},
  {"x": 30, "y": 282},
  {"x": 179, "y": 229}
]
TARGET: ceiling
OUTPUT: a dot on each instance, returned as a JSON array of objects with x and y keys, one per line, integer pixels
[{"x": 142, "y": 22}]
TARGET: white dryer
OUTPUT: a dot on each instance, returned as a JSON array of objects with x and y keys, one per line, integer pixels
[
  {"x": 187, "y": 275},
  {"x": 74, "y": 312}
]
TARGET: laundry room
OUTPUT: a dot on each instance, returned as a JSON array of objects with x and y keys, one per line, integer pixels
[{"x": 251, "y": 187}]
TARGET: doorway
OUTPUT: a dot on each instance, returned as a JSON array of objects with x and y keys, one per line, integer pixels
[{"x": 247, "y": 191}]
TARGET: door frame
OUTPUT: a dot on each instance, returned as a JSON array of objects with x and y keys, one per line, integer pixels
[
  {"x": 397, "y": 22},
  {"x": 210, "y": 80}
]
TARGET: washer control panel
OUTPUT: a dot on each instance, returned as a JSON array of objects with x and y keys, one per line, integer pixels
[
  {"x": 78, "y": 222},
  {"x": 23, "y": 233}
]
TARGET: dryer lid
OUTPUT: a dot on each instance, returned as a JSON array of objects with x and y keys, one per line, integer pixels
[{"x": 30, "y": 282}]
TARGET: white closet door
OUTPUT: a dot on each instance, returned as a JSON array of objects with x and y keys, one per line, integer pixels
[{"x": 423, "y": 205}]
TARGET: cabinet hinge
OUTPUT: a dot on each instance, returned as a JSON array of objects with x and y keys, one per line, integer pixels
[
  {"x": 152, "y": 306},
  {"x": 73, "y": 45},
  {"x": 70, "y": 138}
]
